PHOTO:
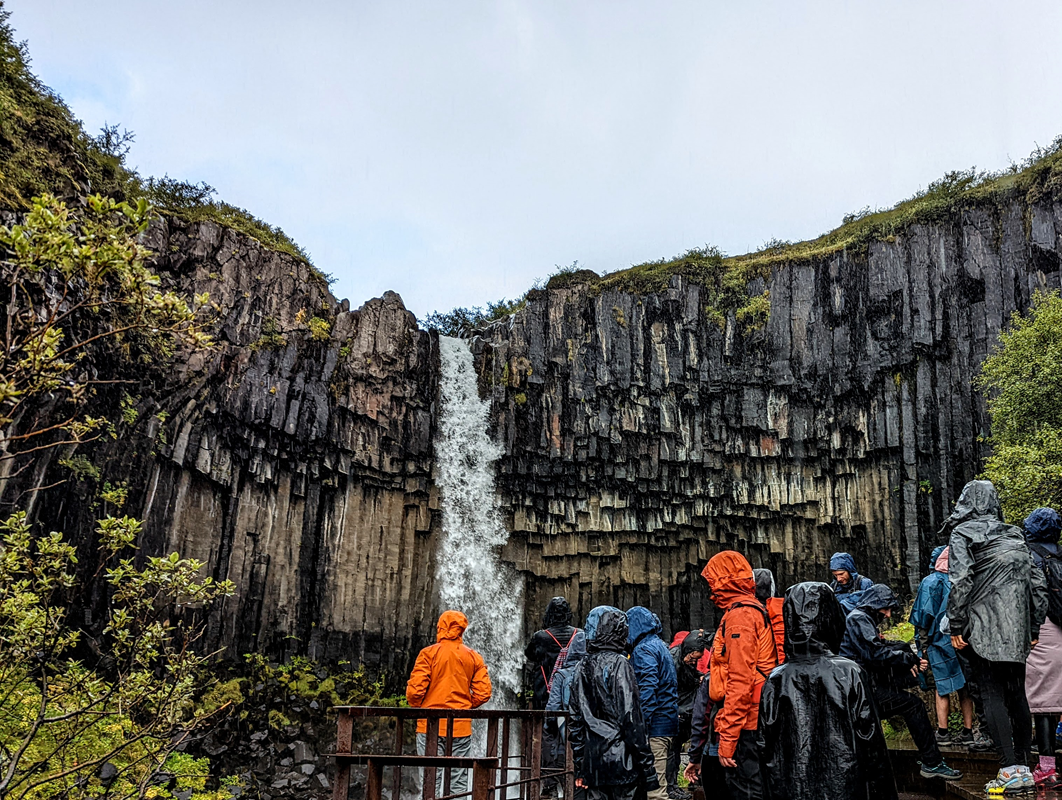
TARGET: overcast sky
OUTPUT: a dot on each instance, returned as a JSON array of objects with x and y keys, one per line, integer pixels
[{"x": 456, "y": 151}]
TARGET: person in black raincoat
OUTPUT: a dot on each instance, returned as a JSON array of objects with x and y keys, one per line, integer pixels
[
  {"x": 545, "y": 646},
  {"x": 997, "y": 604},
  {"x": 609, "y": 743},
  {"x": 892, "y": 668},
  {"x": 560, "y": 698},
  {"x": 820, "y": 731},
  {"x": 685, "y": 657}
]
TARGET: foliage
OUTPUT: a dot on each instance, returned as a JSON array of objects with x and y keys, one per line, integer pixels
[
  {"x": 461, "y": 321},
  {"x": 78, "y": 294},
  {"x": 63, "y": 718},
  {"x": 1023, "y": 380},
  {"x": 44, "y": 150}
]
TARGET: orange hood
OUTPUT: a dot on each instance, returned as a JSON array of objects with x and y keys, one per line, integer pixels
[
  {"x": 730, "y": 579},
  {"x": 452, "y": 625}
]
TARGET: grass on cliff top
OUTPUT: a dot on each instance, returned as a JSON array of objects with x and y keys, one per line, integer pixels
[{"x": 44, "y": 149}]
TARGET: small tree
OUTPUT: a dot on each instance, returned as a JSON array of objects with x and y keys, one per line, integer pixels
[
  {"x": 74, "y": 729},
  {"x": 1023, "y": 380},
  {"x": 83, "y": 312}
]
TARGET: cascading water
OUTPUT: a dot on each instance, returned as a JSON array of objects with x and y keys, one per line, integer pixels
[{"x": 471, "y": 577}]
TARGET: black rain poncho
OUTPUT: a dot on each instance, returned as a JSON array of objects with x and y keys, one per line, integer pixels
[
  {"x": 545, "y": 646},
  {"x": 998, "y": 600},
  {"x": 609, "y": 742},
  {"x": 820, "y": 734}
]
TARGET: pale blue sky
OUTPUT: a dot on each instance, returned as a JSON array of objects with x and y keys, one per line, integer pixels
[{"x": 454, "y": 152}]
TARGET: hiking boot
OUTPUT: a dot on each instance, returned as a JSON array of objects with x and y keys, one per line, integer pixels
[
  {"x": 678, "y": 793},
  {"x": 945, "y": 739},
  {"x": 941, "y": 770},
  {"x": 1046, "y": 780},
  {"x": 978, "y": 742},
  {"x": 1011, "y": 780}
]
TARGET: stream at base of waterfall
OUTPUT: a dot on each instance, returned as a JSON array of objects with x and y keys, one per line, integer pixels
[{"x": 470, "y": 576}]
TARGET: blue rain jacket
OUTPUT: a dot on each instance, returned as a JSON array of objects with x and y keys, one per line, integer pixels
[
  {"x": 930, "y": 606},
  {"x": 655, "y": 670},
  {"x": 849, "y": 593}
]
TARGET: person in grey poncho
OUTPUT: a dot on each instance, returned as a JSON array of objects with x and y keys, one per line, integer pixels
[{"x": 997, "y": 603}]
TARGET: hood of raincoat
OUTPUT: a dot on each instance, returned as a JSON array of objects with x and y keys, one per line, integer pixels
[
  {"x": 942, "y": 561},
  {"x": 1042, "y": 526},
  {"x": 814, "y": 620},
  {"x": 843, "y": 561},
  {"x": 452, "y": 625},
  {"x": 935, "y": 555},
  {"x": 609, "y": 632},
  {"x": 877, "y": 598},
  {"x": 576, "y": 650},
  {"x": 764, "y": 584},
  {"x": 730, "y": 579},
  {"x": 641, "y": 622},
  {"x": 978, "y": 500},
  {"x": 558, "y": 612},
  {"x": 695, "y": 640},
  {"x": 679, "y": 638}
]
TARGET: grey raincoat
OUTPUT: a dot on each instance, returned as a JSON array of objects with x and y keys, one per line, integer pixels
[{"x": 998, "y": 600}]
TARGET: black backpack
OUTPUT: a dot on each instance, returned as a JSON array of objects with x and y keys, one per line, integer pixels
[{"x": 1053, "y": 572}]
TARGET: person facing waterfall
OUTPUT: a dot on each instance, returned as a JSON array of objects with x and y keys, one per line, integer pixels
[
  {"x": 546, "y": 645},
  {"x": 449, "y": 675}
]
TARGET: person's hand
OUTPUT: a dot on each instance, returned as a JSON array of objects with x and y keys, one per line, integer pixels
[
  {"x": 914, "y": 671},
  {"x": 580, "y": 783},
  {"x": 958, "y": 642},
  {"x": 923, "y": 665},
  {"x": 692, "y": 772},
  {"x": 727, "y": 762},
  {"x": 1033, "y": 642}
]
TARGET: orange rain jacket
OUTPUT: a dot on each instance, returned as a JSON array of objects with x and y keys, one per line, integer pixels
[
  {"x": 774, "y": 608},
  {"x": 449, "y": 675},
  {"x": 743, "y": 653}
]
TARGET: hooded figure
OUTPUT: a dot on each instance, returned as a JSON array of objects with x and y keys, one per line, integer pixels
[
  {"x": 657, "y": 681},
  {"x": 930, "y": 606},
  {"x": 545, "y": 646},
  {"x": 560, "y": 693},
  {"x": 449, "y": 675},
  {"x": 848, "y": 592},
  {"x": 765, "y": 590},
  {"x": 689, "y": 677},
  {"x": 743, "y": 654},
  {"x": 606, "y": 729},
  {"x": 891, "y": 668},
  {"x": 820, "y": 730},
  {"x": 997, "y": 601},
  {"x": 1043, "y": 670}
]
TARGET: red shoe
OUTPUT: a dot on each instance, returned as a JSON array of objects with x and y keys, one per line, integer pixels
[{"x": 1046, "y": 780}]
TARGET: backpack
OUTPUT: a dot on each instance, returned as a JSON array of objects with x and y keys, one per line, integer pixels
[
  {"x": 1052, "y": 566},
  {"x": 562, "y": 658}
]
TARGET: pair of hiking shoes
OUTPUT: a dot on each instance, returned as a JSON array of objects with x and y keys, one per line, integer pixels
[{"x": 975, "y": 741}]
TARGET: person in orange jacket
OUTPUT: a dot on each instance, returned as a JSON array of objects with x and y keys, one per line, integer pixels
[
  {"x": 743, "y": 655},
  {"x": 765, "y": 591},
  {"x": 449, "y": 675}
]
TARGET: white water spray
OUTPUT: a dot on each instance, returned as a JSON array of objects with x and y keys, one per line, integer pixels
[{"x": 471, "y": 577}]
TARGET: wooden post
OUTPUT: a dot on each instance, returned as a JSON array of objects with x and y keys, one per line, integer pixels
[
  {"x": 374, "y": 790},
  {"x": 569, "y": 769},
  {"x": 431, "y": 748},
  {"x": 449, "y": 752},
  {"x": 534, "y": 789},
  {"x": 480, "y": 781},
  {"x": 525, "y": 756},
  {"x": 344, "y": 735},
  {"x": 396, "y": 773},
  {"x": 505, "y": 759},
  {"x": 492, "y": 748}
]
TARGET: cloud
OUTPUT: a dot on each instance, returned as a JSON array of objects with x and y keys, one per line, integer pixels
[{"x": 455, "y": 152}]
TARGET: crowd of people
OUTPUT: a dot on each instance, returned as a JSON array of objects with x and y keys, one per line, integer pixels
[{"x": 786, "y": 697}]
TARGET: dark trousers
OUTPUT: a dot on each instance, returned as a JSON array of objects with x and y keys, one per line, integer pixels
[
  {"x": 893, "y": 702},
  {"x": 610, "y": 792},
  {"x": 744, "y": 781},
  {"x": 1002, "y": 685},
  {"x": 552, "y": 759},
  {"x": 1045, "y": 733}
]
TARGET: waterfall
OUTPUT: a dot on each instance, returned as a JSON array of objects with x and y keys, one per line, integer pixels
[{"x": 470, "y": 576}]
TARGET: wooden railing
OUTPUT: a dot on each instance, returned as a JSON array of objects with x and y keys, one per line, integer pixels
[{"x": 491, "y": 772}]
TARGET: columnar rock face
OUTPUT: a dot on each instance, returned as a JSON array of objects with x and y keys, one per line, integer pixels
[
  {"x": 640, "y": 438},
  {"x": 295, "y": 458}
]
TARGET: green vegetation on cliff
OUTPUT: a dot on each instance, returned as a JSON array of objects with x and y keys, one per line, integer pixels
[
  {"x": 44, "y": 150},
  {"x": 1023, "y": 381}
]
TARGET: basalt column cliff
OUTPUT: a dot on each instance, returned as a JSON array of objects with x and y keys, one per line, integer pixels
[{"x": 641, "y": 437}]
